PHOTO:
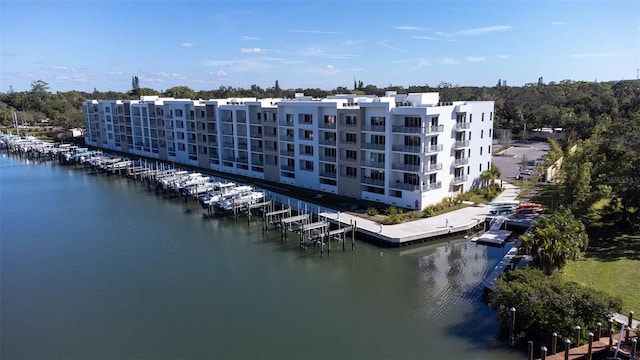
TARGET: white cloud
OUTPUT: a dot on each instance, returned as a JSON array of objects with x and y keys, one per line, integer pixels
[
  {"x": 115, "y": 73},
  {"x": 421, "y": 64},
  {"x": 431, "y": 38},
  {"x": 218, "y": 73},
  {"x": 315, "y": 32},
  {"x": 252, "y": 50},
  {"x": 558, "y": 23},
  {"x": 61, "y": 67},
  {"x": 187, "y": 44},
  {"x": 475, "y": 58},
  {"x": 412, "y": 28},
  {"x": 248, "y": 38},
  {"x": 502, "y": 56},
  {"x": 448, "y": 61},
  {"x": 242, "y": 65},
  {"x": 476, "y": 31},
  {"x": 322, "y": 52},
  {"x": 595, "y": 55},
  {"x": 353, "y": 42},
  {"x": 329, "y": 66},
  {"x": 383, "y": 43}
]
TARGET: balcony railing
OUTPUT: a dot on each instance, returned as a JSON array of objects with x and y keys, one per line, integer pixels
[
  {"x": 330, "y": 142},
  {"x": 376, "y": 128},
  {"x": 327, "y": 125},
  {"x": 285, "y": 123},
  {"x": 405, "y": 167},
  {"x": 404, "y": 186},
  {"x": 436, "y": 129},
  {"x": 373, "y": 164},
  {"x": 327, "y": 158},
  {"x": 287, "y": 168},
  {"x": 329, "y": 174},
  {"x": 431, "y": 167},
  {"x": 372, "y": 181},
  {"x": 433, "y": 148},
  {"x": 227, "y": 144},
  {"x": 373, "y": 146},
  {"x": 286, "y": 138},
  {"x": 406, "y": 129},
  {"x": 460, "y": 179},
  {"x": 286, "y": 153},
  {"x": 406, "y": 148},
  {"x": 461, "y": 144},
  {"x": 460, "y": 162},
  {"x": 462, "y": 125},
  {"x": 432, "y": 186}
]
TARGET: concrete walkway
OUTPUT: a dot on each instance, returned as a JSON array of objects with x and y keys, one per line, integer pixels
[{"x": 456, "y": 221}]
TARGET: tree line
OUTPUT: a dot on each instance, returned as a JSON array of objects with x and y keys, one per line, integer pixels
[{"x": 576, "y": 106}]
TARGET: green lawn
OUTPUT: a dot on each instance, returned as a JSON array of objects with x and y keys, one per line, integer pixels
[{"x": 611, "y": 264}]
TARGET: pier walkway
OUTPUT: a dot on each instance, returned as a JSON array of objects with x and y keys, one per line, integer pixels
[{"x": 455, "y": 222}]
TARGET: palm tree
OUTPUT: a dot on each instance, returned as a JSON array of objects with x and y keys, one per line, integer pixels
[{"x": 555, "y": 239}]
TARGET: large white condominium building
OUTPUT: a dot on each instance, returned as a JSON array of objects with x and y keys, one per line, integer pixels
[{"x": 407, "y": 150}]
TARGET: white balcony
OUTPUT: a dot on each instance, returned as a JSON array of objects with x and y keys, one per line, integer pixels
[
  {"x": 460, "y": 162},
  {"x": 461, "y": 144},
  {"x": 431, "y": 167},
  {"x": 460, "y": 179}
]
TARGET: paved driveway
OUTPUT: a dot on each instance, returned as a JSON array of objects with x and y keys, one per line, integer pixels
[{"x": 510, "y": 163}]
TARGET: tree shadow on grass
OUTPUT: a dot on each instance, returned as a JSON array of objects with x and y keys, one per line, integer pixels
[{"x": 607, "y": 243}]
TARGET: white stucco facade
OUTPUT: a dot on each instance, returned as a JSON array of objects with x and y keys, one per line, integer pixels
[{"x": 408, "y": 150}]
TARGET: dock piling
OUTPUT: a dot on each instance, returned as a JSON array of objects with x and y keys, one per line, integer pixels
[{"x": 554, "y": 343}]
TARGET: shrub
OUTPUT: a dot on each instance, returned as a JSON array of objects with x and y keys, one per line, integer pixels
[
  {"x": 428, "y": 211},
  {"x": 547, "y": 304},
  {"x": 371, "y": 211}
]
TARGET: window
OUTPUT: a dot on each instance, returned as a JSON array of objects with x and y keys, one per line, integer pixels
[
  {"x": 481, "y": 134},
  {"x": 470, "y": 117},
  {"x": 259, "y": 115},
  {"x": 489, "y": 149},
  {"x": 469, "y": 154},
  {"x": 306, "y": 165},
  {"x": 491, "y": 116},
  {"x": 351, "y": 171},
  {"x": 412, "y": 141},
  {"x": 469, "y": 135},
  {"x": 410, "y": 121},
  {"x": 480, "y": 166},
  {"x": 350, "y": 138},
  {"x": 480, "y": 150},
  {"x": 482, "y": 118},
  {"x": 377, "y": 139},
  {"x": 350, "y": 120},
  {"x": 308, "y": 135},
  {"x": 329, "y": 119},
  {"x": 308, "y": 150},
  {"x": 490, "y": 133},
  {"x": 351, "y": 154},
  {"x": 377, "y": 120}
]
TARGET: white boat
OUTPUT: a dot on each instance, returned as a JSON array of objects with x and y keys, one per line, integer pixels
[
  {"x": 192, "y": 179},
  {"x": 220, "y": 192},
  {"x": 246, "y": 197},
  {"x": 197, "y": 189}
]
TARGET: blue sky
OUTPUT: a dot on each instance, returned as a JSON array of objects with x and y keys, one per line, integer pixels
[{"x": 82, "y": 45}]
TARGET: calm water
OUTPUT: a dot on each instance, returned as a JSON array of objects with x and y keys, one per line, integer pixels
[{"x": 96, "y": 267}]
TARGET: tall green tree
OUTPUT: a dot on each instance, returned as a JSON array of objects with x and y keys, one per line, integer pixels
[
  {"x": 554, "y": 239},
  {"x": 180, "y": 92}
]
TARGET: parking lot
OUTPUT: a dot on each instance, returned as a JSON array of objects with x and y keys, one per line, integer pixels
[{"x": 511, "y": 160}]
